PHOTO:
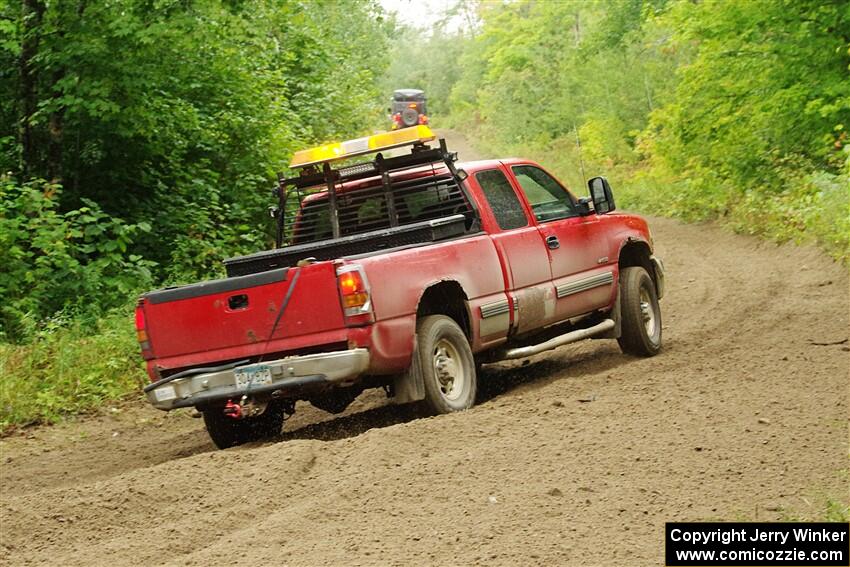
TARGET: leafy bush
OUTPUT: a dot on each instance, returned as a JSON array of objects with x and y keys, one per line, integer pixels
[
  {"x": 172, "y": 116},
  {"x": 61, "y": 265},
  {"x": 808, "y": 207},
  {"x": 70, "y": 369},
  {"x": 180, "y": 114}
]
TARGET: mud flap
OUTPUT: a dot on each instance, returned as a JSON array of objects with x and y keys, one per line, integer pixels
[{"x": 409, "y": 386}]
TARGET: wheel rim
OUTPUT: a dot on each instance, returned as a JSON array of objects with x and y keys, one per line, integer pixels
[
  {"x": 648, "y": 314},
  {"x": 448, "y": 368}
]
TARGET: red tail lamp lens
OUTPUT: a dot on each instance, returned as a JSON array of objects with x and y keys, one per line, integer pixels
[
  {"x": 141, "y": 331},
  {"x": 350, "y": 282},
  {"x": 352, "y": 289},
  {"x": 140, "y": 319}
]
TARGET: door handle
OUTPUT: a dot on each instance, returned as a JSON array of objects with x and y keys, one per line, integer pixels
[{"x": 552, "y": 242}]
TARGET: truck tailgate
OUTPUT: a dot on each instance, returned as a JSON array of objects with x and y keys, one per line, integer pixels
[{"x": 221, "y": 314}]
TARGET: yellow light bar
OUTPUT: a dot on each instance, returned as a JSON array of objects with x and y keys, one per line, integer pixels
[{"x": 360, "y": 146}]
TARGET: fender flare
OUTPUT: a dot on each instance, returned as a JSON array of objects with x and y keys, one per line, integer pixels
[
  {"x": 653, "y": 264},
  {"x": 409, "y": 386}
]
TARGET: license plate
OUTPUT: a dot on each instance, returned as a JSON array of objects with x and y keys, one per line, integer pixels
[{"x": 256, "y": 375}]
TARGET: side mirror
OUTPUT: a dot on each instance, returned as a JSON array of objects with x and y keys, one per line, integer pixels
[{"x": 600, "y": 193}]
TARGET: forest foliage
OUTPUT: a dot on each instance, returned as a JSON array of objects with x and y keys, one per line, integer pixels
[
  {"x": 139, "y": 138},
  {"x": 718, "y": 109},
  {"x": 139, "y": 141}
]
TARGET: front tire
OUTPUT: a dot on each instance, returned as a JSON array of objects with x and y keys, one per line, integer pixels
[
  {"x": 226, "y": 431},
  {"x": 447, "y": 365},
  {"x": 640, "y": 314}
]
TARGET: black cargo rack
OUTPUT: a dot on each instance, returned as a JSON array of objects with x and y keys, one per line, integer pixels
[
  {"x": 329, "y": 178},
  {"x": 454, "y": 215}
]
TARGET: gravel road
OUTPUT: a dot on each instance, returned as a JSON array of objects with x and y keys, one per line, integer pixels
[{"x": 576, "y": 457}]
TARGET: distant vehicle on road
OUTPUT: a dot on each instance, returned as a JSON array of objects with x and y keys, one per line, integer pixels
[
  {"x": 404, "y": 273},
  {"x": 407, "y": 108}
]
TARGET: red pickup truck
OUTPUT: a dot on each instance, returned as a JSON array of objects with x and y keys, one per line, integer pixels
[{"x": 404, "y": 273}]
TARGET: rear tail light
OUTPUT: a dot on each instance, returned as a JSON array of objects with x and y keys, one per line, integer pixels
[
  {"x": 423, "y": 119},
  {"x": 397, "y": 117},
  {"x": 142, "y": 332},
  {"x": 354, "y": 293}
]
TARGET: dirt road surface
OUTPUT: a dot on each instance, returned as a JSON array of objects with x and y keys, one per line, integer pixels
[{"x": 576, "y": 458}]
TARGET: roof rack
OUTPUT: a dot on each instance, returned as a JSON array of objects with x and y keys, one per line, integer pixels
[{"x": 311, "y": 176}]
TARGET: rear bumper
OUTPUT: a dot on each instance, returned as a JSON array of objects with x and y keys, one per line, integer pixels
[{"x": 290, "y": 376}]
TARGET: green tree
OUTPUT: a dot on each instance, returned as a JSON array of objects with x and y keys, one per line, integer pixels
[
  {"x": 735, "y": 110},
  {"x": 178, "y": 114}
]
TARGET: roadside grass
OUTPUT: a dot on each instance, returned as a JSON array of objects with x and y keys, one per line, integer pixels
[
  {"x": 832, "y": 510},
  {"x": 811, "y": 209},
  {"x": 69, "y": 370},
  {"x": 837, "y": 511},
  {"x": 822, "y": 505}
]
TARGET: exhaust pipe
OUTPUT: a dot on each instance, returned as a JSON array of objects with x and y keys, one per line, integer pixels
[{"x": 560, "y": 340}]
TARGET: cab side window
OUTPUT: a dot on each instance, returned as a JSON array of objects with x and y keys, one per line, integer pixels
[
  {"x": 548, "y": 199},
  {"x": 502, "y": 199}
]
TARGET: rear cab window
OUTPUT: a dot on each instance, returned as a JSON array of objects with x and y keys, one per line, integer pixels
[
  {"x": 502, "y": 199},
  {"x": 363, "y": 208}
]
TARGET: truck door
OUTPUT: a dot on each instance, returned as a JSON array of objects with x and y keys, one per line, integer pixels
[
  {"x": 530, "y": 300},
  {"x": 582, "y": 279}
]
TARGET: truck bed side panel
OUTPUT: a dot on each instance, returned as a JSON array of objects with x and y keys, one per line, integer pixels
[{"x": 471, "y": 262}]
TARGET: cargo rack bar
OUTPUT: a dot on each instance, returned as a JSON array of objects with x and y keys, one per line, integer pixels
[{"x": 311, "y": 176}]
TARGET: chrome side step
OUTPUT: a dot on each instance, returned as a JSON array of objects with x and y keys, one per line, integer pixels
[{"x": 560, "y": 340}]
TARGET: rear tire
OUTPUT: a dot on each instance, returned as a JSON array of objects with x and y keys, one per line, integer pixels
[
  {"x": 640, "y": 314},
  {"x": 447, "y": 365},
  {"x": 228, "y": 432}
]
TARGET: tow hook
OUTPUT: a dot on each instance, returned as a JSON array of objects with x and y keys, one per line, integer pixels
[
  {"x": 233, "y": 410},
  {"x": 247, "y": 407}
]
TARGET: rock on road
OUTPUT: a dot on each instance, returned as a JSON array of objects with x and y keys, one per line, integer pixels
[{"x": 577, "y": 458}]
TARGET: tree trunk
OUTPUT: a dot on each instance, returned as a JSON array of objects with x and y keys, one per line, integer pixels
[
  {"x": 32, "y": 12},
  {"x": 55, "y": 130}
]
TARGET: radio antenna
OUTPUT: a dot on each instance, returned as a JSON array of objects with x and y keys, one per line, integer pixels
[{"x": 580, "y": 159}]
